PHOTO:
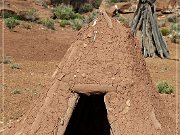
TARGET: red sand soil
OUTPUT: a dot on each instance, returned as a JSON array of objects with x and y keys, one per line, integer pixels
[
  {"x": 107, "y": 38},
  {"x": 38, "y": 51}
]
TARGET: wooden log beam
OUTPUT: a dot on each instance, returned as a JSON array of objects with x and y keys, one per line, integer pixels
[{"x": 93, "y": 88}]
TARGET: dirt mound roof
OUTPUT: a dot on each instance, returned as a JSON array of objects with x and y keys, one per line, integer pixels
[{"x": 102, "y": 60}]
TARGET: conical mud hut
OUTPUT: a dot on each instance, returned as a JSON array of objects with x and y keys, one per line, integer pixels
[{"x": 101, "y": 87}]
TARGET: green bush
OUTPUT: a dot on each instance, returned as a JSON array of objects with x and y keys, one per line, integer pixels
[
  {"x": 165, "y": 32},
  {"x": 31, "y": 15},
  {"x": 65, "y": 12},
  {"x": 11, "y": 22},
  {"x": 77, "y": 24},
  {"x": 86, "y": 7},
  {"x": 175, "y": 27},
  {"x": 63, "y": 23},
  {"x": 10, "y": 14},
  {"x": 165, "y": 88},
  {"x": 114, "y": 1},
  {"x": 49, "y": 23},
  {"x": 97, "y": 3}
]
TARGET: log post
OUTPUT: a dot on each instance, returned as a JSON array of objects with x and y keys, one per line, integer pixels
[{"x": 145, "y": 20}]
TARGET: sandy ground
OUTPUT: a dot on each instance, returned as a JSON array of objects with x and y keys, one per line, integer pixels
[{"x": 39, "y": 50}]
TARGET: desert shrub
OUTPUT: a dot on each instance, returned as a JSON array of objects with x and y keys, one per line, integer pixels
[
  {"x": 172, "y": 19},
  {"x": 97, "y": 3},
  {"x": 27, "y": 25},
  {"x": 41, "y": 3},
  {"x": 77, "y": 24},
  {"x": 165, "y": 32},
  {"x": 89, "y": 18},
  {"x": 11, "y": 22},
  {"x": 114, "y": 1},
  {"x": 16, "y": 91},
  {"x": 175, "y": 37},
  {"x": 49, "y": 23},
  {"x": 175, "y": 27},
  {"x": 165, "y": 88},
  {"x": 10, "y": 14},
  {"x": 65, "y": 12},
  {"x": 31, "y": 15},
  {"x": 15, "y": 66},
  {"x": 63, "y": 23},
  {"x": 86, "y": 7},
  {"x": 122, "y": 19},
  {"x": 161, "y": 23},
  {"x": 6, "y": 60}
]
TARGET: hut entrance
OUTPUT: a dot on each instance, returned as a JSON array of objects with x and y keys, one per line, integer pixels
[{"x": 89, "y": 117}]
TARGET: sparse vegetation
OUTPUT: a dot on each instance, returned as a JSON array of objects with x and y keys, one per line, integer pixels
[
  {"x": 172, "y": 19},
  {"x": 175, "y": 27},
  {"x": 41, "y": 3},
  {"x": 122, "y": 19},
  {"x": 165, "y": 88},
  {"x": 97, "y": 3},
  {"x": 11, "y": 23},
  {"x": 27, "y": 25},
  {"x": 77, "y": 24},
  {"x": 10, "y": 14},
  {"x": 31, "y": 15},
  {"x": 49, "y": 23},
  {"x": 161, "y": 23},
  {"x": 165, "y": 32},
  {"x": 16, "y": 91},
  {"x": 7, "y": 60},
  {"x": 86, "y": 7},
  {"x": 63, "y": 23},
  {"x": 175, "y": 33},
  {"x": 175, "y": 37},
  {"x": 89, "y": 18},
  {"x": 65, "y": 12},
  {"x": 15, "y": 66}
]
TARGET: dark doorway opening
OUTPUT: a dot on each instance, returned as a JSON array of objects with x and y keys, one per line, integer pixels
[{"x": 89, "y": 117}]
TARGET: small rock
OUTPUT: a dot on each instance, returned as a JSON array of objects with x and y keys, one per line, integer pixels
[
  {"x": 125, "y": 111},
  {"x": 83, "y": 75},
  {"x": 77, "y": 70},
  {"x": 62, "y": 122},
  {"x": 85, "y": 45},
  {"x": 75, "y": 76},
  {"x": 113, "y": 78},
  {"x": 90, "y": 35},
  {"x": 94, "y": 23},
  {"x": 128, "y": 103}
]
